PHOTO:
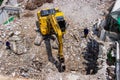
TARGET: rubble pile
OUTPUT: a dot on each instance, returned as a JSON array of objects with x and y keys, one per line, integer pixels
[
  {"x": 20, "y": 56},
  {"x": 28, "y": 14},
  {"x": 19, "y": 1},
  {"x": 111, "y": 72},
  {"x": 33, "y": 4}
]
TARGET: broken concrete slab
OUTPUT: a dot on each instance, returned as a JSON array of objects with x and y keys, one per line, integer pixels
[
  {"x": 38, "y": 39},
  {"x": 14, "y": 47},
  {"x": 103, "y": 35},
  {"x": 15, "y": 38},
  {"x": 10, "y": 34},
  {"x": 17, "y": 33}
]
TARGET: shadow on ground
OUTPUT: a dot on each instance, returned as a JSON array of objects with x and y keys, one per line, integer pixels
[
  {"x": 91, "y": 56},
  {"x": 50, "y": 56}
]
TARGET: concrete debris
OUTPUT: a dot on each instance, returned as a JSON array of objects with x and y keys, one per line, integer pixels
[
  {"x": 37, "y": 65},
  {"x": 103, "y": 35},
  {"x": 19, "y": 1},
  {"x": 23, "y": 72},
  {"x": 30, "y": 6},
  {"x": 13, "y": 74},
  {"x": 28, "y": 14},
  {"x": 15, "y": 38},
  {"x": 85, "y": 58},
  {"x": 100, "y": 51},
  {"x": 11, "y": 34},
  {"x": 38, "y": 39},
  {"x": 17, "y": 33},
  {"x": 72, "y": 77},
  {"x": 111, "y": 72},
  {"x": 14, "y": 47},
  {"x": 21, "y": 49},
  {"x": 54, "y": 44},
  {"x": 33, "y": 4}
]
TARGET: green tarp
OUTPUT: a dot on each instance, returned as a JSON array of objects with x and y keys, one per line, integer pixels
[
  {"x": 115, "y": 13},
  {"x": 1, "y": 2},
  {"x": 118, "y": 21},
  {"x": 110, "y": 58},
  {"x": 9, "y": 20}
]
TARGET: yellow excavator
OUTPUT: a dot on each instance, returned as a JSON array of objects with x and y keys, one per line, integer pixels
[{"x": 51, "y": 21}]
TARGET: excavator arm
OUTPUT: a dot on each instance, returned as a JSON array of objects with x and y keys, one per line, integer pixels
[{"x": 54, "y": 24}]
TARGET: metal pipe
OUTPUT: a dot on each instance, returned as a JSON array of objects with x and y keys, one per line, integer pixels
[{"x": 117, "y": 62}]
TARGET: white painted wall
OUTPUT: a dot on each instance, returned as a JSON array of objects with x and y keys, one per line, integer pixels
[{"x": 3, "y": 16}]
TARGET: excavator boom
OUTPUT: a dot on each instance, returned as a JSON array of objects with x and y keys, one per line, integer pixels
[{"x": 59, "y": 34}]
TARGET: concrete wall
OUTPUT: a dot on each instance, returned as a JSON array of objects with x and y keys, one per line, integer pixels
[{"x": 3, "y": 16}]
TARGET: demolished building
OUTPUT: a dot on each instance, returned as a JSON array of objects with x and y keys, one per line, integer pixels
[{"x": 85, "y": 58}]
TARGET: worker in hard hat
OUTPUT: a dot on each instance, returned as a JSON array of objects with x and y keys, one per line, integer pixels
[
  {"x": 86, "y": 31},
  {"x": 8, "y": 45}
]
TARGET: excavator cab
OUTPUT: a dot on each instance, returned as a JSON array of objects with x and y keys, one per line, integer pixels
[
  {"x": 61, "y": 23},
  {"x": 47, "y": 12},
  {"x": 60, "y": 19}
]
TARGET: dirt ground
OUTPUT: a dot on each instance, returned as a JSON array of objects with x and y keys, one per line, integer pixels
[{"x": 29, "y": 61}]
